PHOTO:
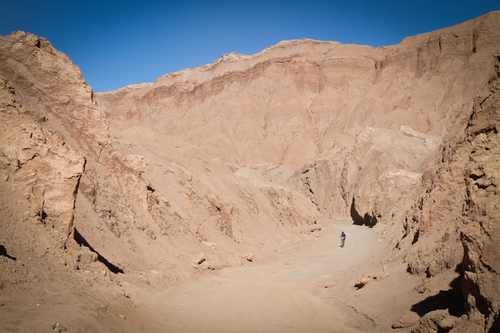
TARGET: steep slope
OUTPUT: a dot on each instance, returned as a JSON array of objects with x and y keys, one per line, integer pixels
[
  {"x": 40, "y": 262},
  {"x": 184, "y": 209},
  {"x": 302, "y": 101},
  {"x": 82, "y": 212}
]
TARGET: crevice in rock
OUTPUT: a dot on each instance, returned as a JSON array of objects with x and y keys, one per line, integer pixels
[
  {"x": 488, "y": 267},
  {"x": 357, "y": 219},
  {"x": 81, "y": 241},
  {"x": 415, "y": 238},
  {"x": 3, "y": 253},
  {"x": 496, "y": 325},
  {"x": 475, "y": 177},
  {"x": 483, "y": 186}
]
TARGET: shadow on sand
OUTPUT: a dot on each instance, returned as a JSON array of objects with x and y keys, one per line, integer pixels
[
  {"x": 3, "y": 252},
  {"x": 82, "y": 242}
]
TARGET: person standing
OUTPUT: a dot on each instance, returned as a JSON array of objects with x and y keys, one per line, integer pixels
[{"x": 342, "y": 239}]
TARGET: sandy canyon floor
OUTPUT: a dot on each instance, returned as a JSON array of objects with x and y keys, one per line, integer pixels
[
  {"x": 305, "y": 288},
  {"x": 286, "y": 295}
]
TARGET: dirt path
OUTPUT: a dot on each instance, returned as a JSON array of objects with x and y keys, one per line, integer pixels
[{"x": 287, "y": 295}]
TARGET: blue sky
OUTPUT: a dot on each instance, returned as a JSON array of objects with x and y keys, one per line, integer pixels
[{"x": 116, "y": 43}]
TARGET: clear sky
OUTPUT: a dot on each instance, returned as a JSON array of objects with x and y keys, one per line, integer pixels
[{"x": 116, "y": 43}]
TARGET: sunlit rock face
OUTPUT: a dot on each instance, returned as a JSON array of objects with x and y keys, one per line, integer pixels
[
  {"x": 453, "y": 219},
  {"x": 229, "y": 163},
  {"x": 374, "y": 117},
  {"x": 39, "y": 163}
]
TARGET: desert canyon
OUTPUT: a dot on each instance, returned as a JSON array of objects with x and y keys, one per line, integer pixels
[{"x": 212, "y": 199}]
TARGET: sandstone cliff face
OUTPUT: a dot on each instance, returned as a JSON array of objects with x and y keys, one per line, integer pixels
[
  {"x": 38, "y": 163},
  {"x": 454, "y": 215},
  {"x": 121, "y": 205},
  {"x": 302, "y": 101}
]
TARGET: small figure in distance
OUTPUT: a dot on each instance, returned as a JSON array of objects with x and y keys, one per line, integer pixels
[{"x": 342, "y": 239}]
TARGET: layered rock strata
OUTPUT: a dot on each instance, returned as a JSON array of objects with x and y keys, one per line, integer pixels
[{"x": 302, "y": 101}]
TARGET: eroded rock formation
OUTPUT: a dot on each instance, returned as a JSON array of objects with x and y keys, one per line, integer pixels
[
  {"x": 453, "y": 220},
  {"x": 300, "y": 102},
  {"x": 121, "y": 205},
  {"x": 39, "y": 163}
]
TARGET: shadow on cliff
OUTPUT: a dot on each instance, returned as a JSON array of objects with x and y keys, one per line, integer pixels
[
  {"x": 366, "y": 220},
  {"x": 450, "y": 299}
]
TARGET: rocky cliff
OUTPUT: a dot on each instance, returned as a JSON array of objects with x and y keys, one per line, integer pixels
[
  {"x": 302, "y": 101},
  {"x": 452, "y": 222},
  {"x": 136, "y": 213},
  {"x": 232, "y": 162}
]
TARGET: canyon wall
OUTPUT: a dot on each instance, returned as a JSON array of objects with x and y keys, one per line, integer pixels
[
  {"x": 304, "y": 101},
  {"x": 154, "y": 212},
  {"x": 379, "y": 135},
  {"x": 450, "y": 219}
]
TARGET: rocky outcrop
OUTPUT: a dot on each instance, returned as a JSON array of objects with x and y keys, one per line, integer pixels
[
  {"x": 453, "y": 221},
  {"x": 381, "y": 168},
  {"x": 51, "y": 87},
  {"x": 436, "y": 321},
  {"x": 407, "y": 320},
  {"x": 39, "y": 163},
  {"x": 53, "y": 92},
  {"x": 39, "y": 180},
  {"x": 366, "y": 181},
  {"x": 481, "y": 233}
]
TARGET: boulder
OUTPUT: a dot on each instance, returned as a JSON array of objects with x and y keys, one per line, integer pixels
[{"x": 408, "y": 320}]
